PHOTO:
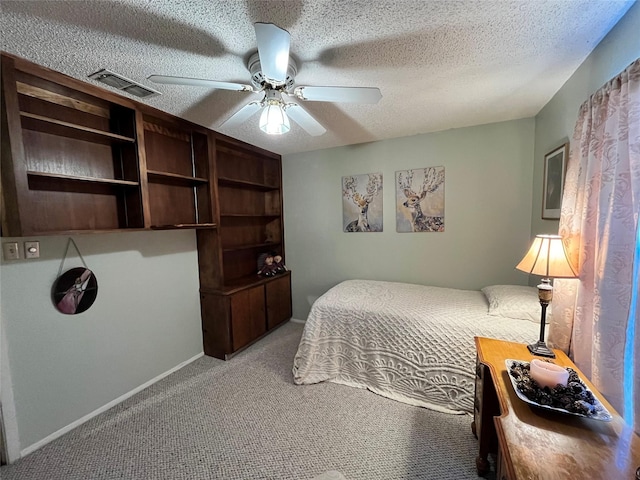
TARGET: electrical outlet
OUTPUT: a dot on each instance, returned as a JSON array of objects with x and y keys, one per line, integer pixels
[
  {"x": 10, "y": 251},
  {"x": 31, "y": 249}
]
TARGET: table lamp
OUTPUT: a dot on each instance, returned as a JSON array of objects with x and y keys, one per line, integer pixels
[{"x": 548, "y": 259}]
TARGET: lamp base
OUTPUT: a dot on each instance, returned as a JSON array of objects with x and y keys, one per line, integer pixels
[{"x": 540, "y": 348}]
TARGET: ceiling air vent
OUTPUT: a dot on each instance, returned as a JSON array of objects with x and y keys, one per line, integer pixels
[{"x": 122, "y": 83}]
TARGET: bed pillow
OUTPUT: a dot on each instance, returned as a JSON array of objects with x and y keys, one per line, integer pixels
[{"x": 514, "y": 301}]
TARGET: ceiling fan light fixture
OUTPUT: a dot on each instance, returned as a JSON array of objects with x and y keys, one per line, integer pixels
[
  {"x": 272, "y": 72},
  {"x": 274, "y": 120}
]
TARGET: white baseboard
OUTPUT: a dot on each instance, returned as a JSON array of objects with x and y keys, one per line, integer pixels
[
  {"x": 104, "y": 408},
  {"x": 297, "y": 320},
  {"x": 8, "y": 418}
]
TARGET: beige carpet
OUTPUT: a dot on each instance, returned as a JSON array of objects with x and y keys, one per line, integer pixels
[
  {"x": 330, "y": 475},
  {"x": 245, "y": 419}
]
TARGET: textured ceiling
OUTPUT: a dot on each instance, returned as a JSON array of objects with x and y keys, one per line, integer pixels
[{"x": 439, "y": 64}]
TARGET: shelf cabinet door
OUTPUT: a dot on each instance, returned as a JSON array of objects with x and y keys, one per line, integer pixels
[
  {"x": 278, "y": 297},
  {"x": 248, "y": 320},
  {"x": 216, "y": 324}
]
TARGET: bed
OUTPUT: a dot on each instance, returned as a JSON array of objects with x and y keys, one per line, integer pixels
[{"x": 411, "y": 343}]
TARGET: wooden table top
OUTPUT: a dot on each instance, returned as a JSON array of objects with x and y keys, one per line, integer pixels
[{"x": 542, "y": 444}]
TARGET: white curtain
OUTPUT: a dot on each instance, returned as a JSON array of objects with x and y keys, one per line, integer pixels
[{"x": 595, "y": 318}]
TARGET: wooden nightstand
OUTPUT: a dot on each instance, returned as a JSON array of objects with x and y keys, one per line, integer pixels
[
  {"x": 535, "y": 443},
  {"x": 485, "y": 407}
]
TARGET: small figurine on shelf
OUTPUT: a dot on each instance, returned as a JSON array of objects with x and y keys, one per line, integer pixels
[
  {"x": 268, "y": 269},
  {"x": 279, "y": 264}
]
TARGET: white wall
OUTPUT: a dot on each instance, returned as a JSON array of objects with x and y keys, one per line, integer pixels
[
  {"x": 144, "y": 322},
  {"x": 556, "y": 121},
  {"x": 488, "y": 182}
]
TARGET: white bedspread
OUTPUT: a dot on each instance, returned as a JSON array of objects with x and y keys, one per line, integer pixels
[{"x": 407, "y": 342}]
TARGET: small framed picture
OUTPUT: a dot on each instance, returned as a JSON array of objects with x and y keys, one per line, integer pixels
[{"x": 553, "y": 184}]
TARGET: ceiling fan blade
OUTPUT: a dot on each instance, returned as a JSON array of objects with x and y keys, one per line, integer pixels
[
  {"x": 242, "y": 115},
  {"x": 200, "y": 82},
  {"x": 304, "y": 119},
  {"x": 273, "y": 49},
  {"x": 339, "y": 94}
]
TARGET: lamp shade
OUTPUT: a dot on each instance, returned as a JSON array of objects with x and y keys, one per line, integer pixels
[
  {"x": 547, "y": 258},
  {"x": 274, "y": 120}
]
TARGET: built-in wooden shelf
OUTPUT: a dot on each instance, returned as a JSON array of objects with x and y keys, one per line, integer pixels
[
  {"x": 184, "y": 225},
  {"x": 250, "y": 215},
  {"x": 177, "y": 167},
  {"x": 232, "y": 182},
  {"x": 90, "y": 232},
  {"x": 40, "y": 123},
  {"x": 250, "y": 247},
  {"x": 239, "y": 306},
  {"x": 71, "y": 165},
  {"x": 79, "y": 159},
  {"x": 75, "y": 178},
  {"x": 156, "y": 175}
]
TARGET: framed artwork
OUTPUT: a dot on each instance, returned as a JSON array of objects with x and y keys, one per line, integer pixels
[
  {"x": 362, "y": 203},
  {"x": 420, "y": 200},
  {"x": 553, "y": 182}
]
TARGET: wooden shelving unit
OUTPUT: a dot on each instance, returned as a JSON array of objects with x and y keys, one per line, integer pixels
[
  {"x": 70, "y": 159},
  {"x": 248, "y": 182},
  {"x": 65, "y": 129},
  {"x": 78, "y": 159},
  {"x": 250, "y": 205},
  {"x": 175, "y": 178},
  {"x": 177, "y": 163},
  {"x": 244, "y": 184},
  {"x": 76, "y": 178},
  {"x": 259, "y": 246}
]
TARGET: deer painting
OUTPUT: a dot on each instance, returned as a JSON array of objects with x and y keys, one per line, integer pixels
[
  {"x": 432, "y": 190},
  {"x": 361, "y": 196}
]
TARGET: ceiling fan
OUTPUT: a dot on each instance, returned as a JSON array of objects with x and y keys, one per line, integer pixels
[{"x": 273, "y": 72}]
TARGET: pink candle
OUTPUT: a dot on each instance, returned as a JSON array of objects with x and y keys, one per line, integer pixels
[{"x": 548, "y": 374}]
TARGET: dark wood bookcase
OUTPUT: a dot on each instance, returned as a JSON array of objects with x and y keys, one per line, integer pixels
[
  {"x": 70, "y": 158},
  {"x": 79, "y": 159},
  {"x": 238, "y": 305},
  {"x": 250, "y": 208},
  {"x": 177, "y": 163}
]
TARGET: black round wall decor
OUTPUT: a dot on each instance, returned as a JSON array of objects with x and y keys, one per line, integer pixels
[{"x": 74, "y": 291}]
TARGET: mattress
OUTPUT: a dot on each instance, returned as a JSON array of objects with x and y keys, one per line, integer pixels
[{"x": 411, "y": 343}]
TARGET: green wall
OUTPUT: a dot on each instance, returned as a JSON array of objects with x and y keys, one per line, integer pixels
[
  {"x": 556, "y": 121},
  {"x": 493, "y": 193},
  {"x": 488, "y": 171},
  {"x": 145, "y": 321}
]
